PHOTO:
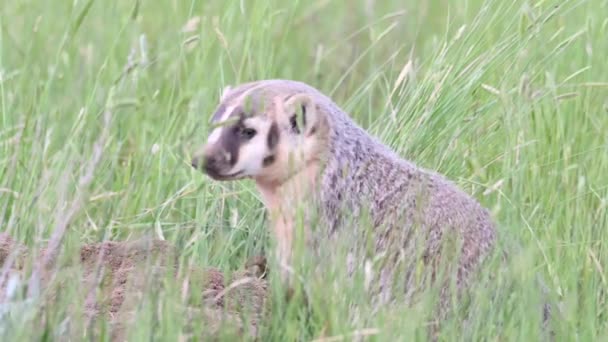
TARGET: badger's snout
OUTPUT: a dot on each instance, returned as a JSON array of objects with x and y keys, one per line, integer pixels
[{"x": 213, "y": 162}]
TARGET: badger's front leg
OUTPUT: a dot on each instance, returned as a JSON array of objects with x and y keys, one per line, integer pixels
[
  {"x": 291, "y": 228},
  {"x": 289, "y": 232},
  {"x": 282, "y": 229}
]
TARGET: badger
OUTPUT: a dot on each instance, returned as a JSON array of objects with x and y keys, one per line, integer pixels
[{"x": 303, "y": 151}]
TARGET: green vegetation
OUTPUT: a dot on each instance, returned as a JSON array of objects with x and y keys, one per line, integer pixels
[{"x": 102, "y": 103}]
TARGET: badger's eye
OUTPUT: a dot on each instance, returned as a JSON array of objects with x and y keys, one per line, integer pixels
[{"x": 248, "y": 133}]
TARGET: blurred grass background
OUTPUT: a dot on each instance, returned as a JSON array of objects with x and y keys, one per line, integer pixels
[{"x": 509, "y": 99}]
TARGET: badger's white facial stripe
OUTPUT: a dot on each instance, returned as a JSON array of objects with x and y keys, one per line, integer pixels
[
  {"x": 215, "y": 135},
  {"x": 225, "y": 92},
  {"x": 227, "y": 113}
]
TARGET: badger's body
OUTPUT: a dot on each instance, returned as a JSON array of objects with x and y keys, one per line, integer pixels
[{"x": 341, "y": 173}]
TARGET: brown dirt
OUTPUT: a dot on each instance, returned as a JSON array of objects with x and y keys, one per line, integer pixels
[{"x": 114, "y": 277}]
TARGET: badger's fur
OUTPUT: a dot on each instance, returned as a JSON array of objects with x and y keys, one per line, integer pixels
[{"x": 330, "y": 163}]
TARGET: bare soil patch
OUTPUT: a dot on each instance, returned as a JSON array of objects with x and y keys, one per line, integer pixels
[{"x": 115, "y": 276}]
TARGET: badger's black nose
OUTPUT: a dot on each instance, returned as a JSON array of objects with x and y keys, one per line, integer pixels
[
  {"x": 211, "y": 161},
  {"x": 209, "y": 164}
]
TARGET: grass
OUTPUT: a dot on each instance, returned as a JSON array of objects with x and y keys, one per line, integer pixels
[{"x": 509, "y": 99}]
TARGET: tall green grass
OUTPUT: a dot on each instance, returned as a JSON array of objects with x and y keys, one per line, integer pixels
[{"x": 509, "y": 99}]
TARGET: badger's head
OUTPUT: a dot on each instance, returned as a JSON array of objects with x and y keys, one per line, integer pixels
[{"x": 264, "y": 131}]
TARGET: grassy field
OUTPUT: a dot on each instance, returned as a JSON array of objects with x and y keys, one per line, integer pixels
[{"x": 102, "y": 103}]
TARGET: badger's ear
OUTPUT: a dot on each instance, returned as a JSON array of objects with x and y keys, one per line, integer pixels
[
  {"x": 302, "y": 114},
  {"x": 225, "y": 92}
]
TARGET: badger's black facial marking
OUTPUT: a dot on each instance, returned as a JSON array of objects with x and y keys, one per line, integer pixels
[
  {"x": 231, "y": 140},
  {"x": 232, "y": 147},
  {"x": 268, "y": 160},
  {"x": 273, "y": 136}
]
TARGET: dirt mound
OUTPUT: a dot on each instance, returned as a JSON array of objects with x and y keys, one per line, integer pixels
[{"x": 115, "y": 276}]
